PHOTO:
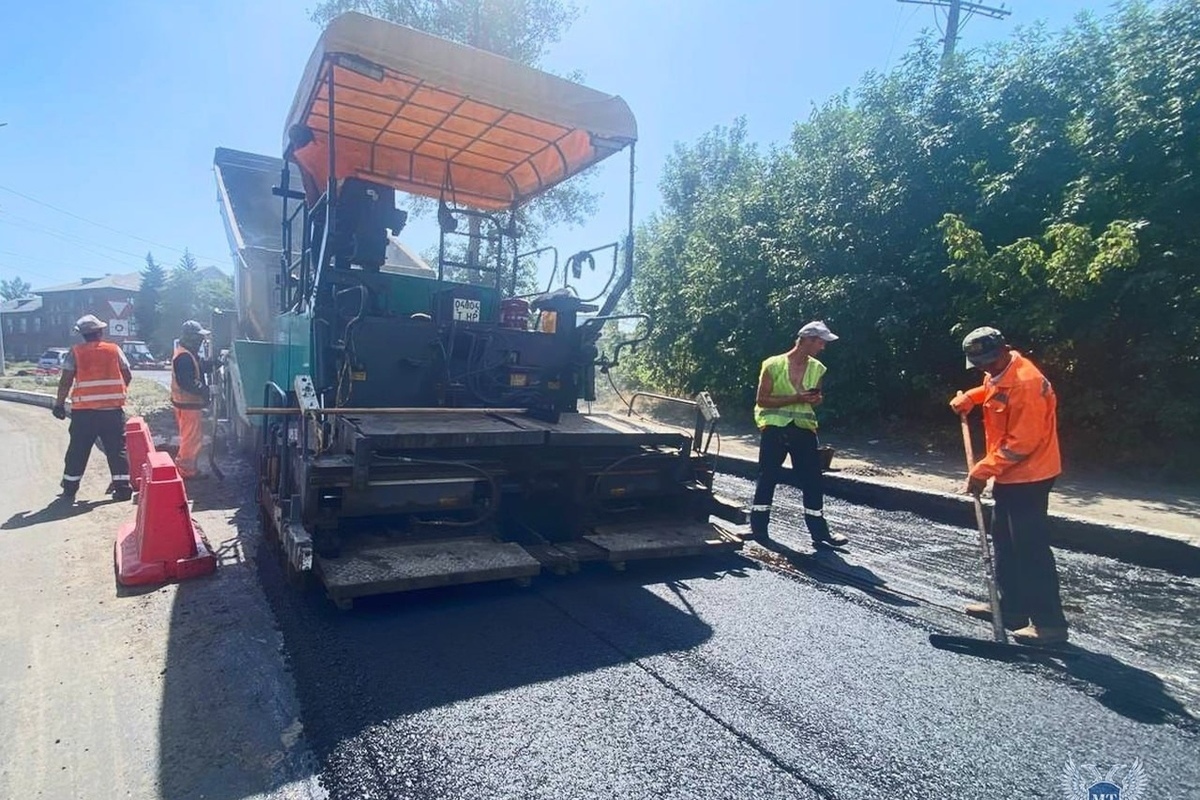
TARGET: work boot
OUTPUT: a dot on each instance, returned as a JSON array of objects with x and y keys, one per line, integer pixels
[
  {"x": 759, "y": 522},
  {"x": 1043, "y": 634},
  {"x": 121, "y": 491},
  {"x": 983, "y": 611},
  {"x": 818, "y": 529}
]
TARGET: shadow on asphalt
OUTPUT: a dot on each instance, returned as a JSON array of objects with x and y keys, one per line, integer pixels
[
  {"x": 828, "y": 567},
  {"x": 1134, "y": 693},
  {"x": 228, "y": 722},
  {"x": 55, "y": 510}
]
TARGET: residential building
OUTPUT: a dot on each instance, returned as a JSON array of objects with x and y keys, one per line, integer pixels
[{"x": 47, "y": 318}]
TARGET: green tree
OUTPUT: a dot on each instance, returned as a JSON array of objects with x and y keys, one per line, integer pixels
[
  {"x": 213, "y": 294},
  {"x": 150, "y": 300},
  {"x": 14, "y": 289},
  {"x": 1048, "y": 185},
  {"x": 180, "y": 297}
]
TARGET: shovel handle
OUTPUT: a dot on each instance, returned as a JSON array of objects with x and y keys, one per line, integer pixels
[
  {"x": 989, "y": 563},
  {"x": 966, "y": 435}
]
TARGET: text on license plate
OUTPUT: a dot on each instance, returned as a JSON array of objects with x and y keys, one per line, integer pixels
[{"x": 466, "y": 310}]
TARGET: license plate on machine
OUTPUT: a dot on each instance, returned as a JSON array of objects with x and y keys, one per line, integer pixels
[{"x": 466, "y": 310}]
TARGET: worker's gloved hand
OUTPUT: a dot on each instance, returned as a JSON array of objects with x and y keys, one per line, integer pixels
[
  {"x": 59, "y": 411},
  {"x": 976, "y": 486},
  {"x": 962, "y": 404}
]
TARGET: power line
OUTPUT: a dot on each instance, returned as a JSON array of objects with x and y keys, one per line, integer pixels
[
  {"x": 102, "y": 225},
  {"x": 75, "y": 241},
  {"x": 954, "y": 19},
  {"x": 39, "y": 227}
]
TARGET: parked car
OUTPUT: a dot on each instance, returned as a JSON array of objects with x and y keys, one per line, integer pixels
[
  {"x": 140, "y": 357},
  {"x": 51, "y": 361}
]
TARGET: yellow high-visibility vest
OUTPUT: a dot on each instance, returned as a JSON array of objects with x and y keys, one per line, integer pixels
[{"x": 802, "y": 414}]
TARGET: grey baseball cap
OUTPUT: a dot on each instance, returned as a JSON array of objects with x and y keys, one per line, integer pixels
[
  {"x": 193, "y": 328},
  {"x": 90, "y": 323},
  {"x": 816, "y": 329},
  {"x": 983, "y": 346}
]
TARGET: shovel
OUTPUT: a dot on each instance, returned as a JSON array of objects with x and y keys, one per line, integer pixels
[{"x": 212, "y": 445}]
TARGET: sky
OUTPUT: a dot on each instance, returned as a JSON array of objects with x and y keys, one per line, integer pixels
[{"x": 113, "y": 110}]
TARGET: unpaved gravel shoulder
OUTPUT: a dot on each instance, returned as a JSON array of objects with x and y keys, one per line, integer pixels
[{"x": 178, "y": 691}]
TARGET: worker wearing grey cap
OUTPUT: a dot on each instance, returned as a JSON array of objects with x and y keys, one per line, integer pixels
[
  {"x": 95, "y": 373},
  {"x": 1020, "y": 420},
  {"x": 789, "y": 390}
]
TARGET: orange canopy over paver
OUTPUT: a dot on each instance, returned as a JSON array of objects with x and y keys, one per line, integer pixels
[{"x": 437, "y": 118}]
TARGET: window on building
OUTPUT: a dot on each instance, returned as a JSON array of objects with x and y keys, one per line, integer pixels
[
  {"x": 37, "y": 324},
  {"x": 24, "y": 326}
]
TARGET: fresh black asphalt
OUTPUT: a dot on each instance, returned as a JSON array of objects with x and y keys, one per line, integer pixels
[{"x": 779, "y": 673}]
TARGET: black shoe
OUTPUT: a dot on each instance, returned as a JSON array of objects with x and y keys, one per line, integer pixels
[
  {"x": 831, "y": 540},
  {"x": 983, "y": 611},
  {"x": 122, "y": 494}
]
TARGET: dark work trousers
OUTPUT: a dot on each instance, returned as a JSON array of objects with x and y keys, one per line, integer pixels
[
  {"x": 800, "y": 444},
  {"x": 1025, "y": 569},
  {"x": 107, "y": 425}
]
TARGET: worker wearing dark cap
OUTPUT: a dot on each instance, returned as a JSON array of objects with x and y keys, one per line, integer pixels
[
  {"x": 1020, "y": 423},
  {"x": 190, "y": 395},
  {"x": 95, "y": 373},
  {"x": 789, "y": 389}
]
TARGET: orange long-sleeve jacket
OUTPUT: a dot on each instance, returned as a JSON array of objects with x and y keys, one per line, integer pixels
[{"x": 1020, "y": 423}]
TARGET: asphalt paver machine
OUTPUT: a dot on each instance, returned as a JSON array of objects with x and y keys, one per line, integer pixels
[{"x": 419, "y": 425}]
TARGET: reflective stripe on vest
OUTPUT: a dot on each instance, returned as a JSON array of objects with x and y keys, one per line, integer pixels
[
  {"x": 179, "y": 397},
  {"x": 801, "y": 414},
  {"x": 98, "y": 380}
]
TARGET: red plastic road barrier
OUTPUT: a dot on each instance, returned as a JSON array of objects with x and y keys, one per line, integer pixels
[
  {"x": 163, "y": 543},
  {"x": 139, "y": 445}
]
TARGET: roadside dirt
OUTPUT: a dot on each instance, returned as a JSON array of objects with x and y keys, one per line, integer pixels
[{"x": 85, "y": 663}]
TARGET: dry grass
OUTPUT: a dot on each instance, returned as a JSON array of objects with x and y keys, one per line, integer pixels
[{"x": 145, "y": 396}]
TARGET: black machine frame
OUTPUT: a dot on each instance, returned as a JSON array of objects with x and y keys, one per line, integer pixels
[{"x": 509, "y": 482}]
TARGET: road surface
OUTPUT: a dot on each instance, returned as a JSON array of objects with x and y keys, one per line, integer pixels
[{"x": 765, "y": 675}]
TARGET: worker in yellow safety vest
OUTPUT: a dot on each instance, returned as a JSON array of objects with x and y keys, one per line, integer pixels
[
  {"x": 95, "y": 373},
  {"x": 190, "y": 395},
  {"x": 789, "y": 390}
]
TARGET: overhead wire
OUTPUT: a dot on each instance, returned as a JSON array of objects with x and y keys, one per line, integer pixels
[
  {"x": 74, "y": 241},
  {"x": 52, "y": 207}
]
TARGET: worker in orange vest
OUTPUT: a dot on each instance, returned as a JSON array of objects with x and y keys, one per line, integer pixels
[
  {"x": 1020, "y": 423},
  {"x": 96, "y": 374},
  {"x": 190, "y": 395}
]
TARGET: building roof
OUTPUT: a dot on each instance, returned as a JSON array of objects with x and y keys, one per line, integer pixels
[
  {"x": 20, "y": 305},
  {"x": 129, "y": 282}
]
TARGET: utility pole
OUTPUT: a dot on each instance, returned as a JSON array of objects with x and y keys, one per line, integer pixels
[{"x": 955, "y": 19}]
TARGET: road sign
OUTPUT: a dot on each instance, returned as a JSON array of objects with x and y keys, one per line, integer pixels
[{"x": 118, "y": 327}]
